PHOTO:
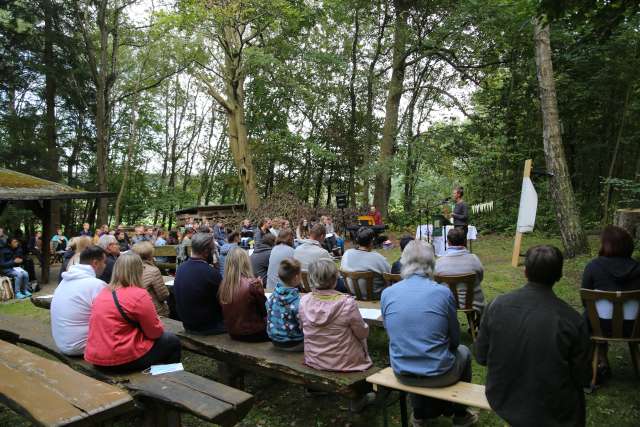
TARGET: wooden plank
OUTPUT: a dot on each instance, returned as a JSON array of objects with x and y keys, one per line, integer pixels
[
  {"x": 50, "y": 393},
  {"x": 263, "y": 359},
  {"x": 517, "y": 242},
  {"x": 167, "y": 251},
  {"x": 175, "y": 390},
  {"x": 464, "y": 393}
]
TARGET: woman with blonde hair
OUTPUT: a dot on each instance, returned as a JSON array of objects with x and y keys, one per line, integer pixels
[
  {"x": 78, "y": 244},
  {"x": 125, "y": 333},
  {"x": 152, "y": 278},
  {"x": 242, "y": 299}
]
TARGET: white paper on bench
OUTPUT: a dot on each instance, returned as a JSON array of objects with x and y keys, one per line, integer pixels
[
  {"x": 370, "y": 313},
  {"x": 165, "y": 369},
  {"x": 169, "y": 283}
]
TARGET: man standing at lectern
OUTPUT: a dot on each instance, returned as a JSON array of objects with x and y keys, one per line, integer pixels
[{"x": 460, "y": 211}]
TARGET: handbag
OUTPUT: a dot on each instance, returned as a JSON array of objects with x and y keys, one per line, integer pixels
[
  {"x": 6, "y": 289},
  {"x": 123, "y": 314}
]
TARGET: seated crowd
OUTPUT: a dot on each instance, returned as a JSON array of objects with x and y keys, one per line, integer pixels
[{"x": 109, "y": 303}]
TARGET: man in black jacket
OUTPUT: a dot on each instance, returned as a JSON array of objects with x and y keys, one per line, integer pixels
[{"x": 536, "y": 349}]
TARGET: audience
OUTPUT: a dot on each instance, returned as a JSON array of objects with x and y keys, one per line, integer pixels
[
  {"x": 125, "y": 333},
  {"x": 396, "y": 267},
  {"x": 112, "y": 248},
  {"x": 536, "y": 349},
  {"x": 242, "y": 299},
  {"x": 11, "y": 265},
  {"x": 377, "y": 216},
  {"x": 311, "y": 250},
  {"x": 152, "y": 278},
  {"x": 303, "y": 229},
  {"x": 139, "y": 235},
  {"x": 35, "y": 246},
  {"x": 72, "y": 254},
  {"x": 246, "y": 230},
  {"x": 85, "y": 230},
  {"x": 196, "y": 290},
  {"x": 173, "y": 238},
  {"x": 424, "y": 336},
  {"x": 233, "y": 241},
  {"x": 283, "y": 323},
  {"x": 335, "y": 335},
  {"x": 613, "y": 270},
  {"x": 123, "y": 240},
  {"x": 262, "y": 230},
  {"x": 59, "y": 241},
  {"x": 73, "y": 298},
  {"x": 219, "y": 233},
  {"x": 260, "y": 256},
  {"x": 458, "y": 260},
  {"x": 281, "y": 251},
  {"x": 363, "y": 258}
]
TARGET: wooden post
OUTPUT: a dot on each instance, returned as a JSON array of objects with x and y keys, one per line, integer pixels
[
  {"x": 46, "y": 238},
  {"x": 517, "y": 243}
]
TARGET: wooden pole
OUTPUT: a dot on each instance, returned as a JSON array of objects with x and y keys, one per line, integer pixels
[
  {"x": 517, "y": 242},
  {"x": 47, "y": 228}
]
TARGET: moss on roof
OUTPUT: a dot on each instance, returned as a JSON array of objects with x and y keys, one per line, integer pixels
[{"x": 14, "y": 182}]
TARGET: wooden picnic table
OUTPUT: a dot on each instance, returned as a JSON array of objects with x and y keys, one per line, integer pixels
[{"x": 50, "y": 393}]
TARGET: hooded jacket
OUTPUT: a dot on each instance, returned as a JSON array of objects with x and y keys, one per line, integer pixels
[
  {"x": 71, "y": 308},
  {"x": 310, "y": 251},
  {"x": 224, "y": 251},
  {"x": 247, "y": 312},
  {"x": 8, "y": 255},
  {"x": 335, "y": 336},
  {"x": 612, "y": 274},
  {"x": 260, "y": 260},
  {"x": 283, "y": 323}
]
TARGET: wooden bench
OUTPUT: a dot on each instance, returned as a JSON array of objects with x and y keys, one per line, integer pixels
[
  {"x": 466, "y": 283},
  {"x": 49, "y": 393},
  {"x": 168, "y": 251},
  {"x": 461, "y": 392},
  {"x": 235, "y": 358},
  {"x": 163, "y": 397}
]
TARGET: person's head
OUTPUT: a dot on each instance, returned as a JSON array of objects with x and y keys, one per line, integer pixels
[
  {"x": 139, "y": 230},
  {"x": 105, "y": 228},
  {"x": 173, "y": 234},
  {"x": 80, "y": 243},
  {"x": 110, "y": 244},
  {"x": 457, "y": 193},
  {"x": 94, "y": 256},
  {"x": 303, "y": 223},
  {"x": 289, "y": 272},
  {"x": 127, "y": 271},
  {"x": 85, "y": 226},
  {"x": 404, "y": 241},
  {"x": 233, "y": 237},
  {"x": 285, "y": 236},
  {"x": 285, "y": 224},
  {"x": 417, "y": 258},
  {"x": 318, "y": 232},
  {"x": 14, "y": 242},
  {"x": 323, "y": 274},
  {"x": 615, "y": 242},
  {"x": 246, "y": 223},
  {"x": 149, "y": 232},
  {"x": 268, "y": 240},
  {"x": 189, "y": 233},
  {"x": 202, "y": 245},
  {"x": 372, "y": 209},
  {"x": 457, "y": 237},
  {"x": 59, "y": 231},
  {"x": 38, "y": 234},
  {"x": 543, "y": 264},
  {"x": 236, "y": 266},
  {"x": 144, "y": 250},
  {"x": 119, "y": 234},
  {"x": 328, "y": 220},
  {"x": 265, "y": 224},
  {"x": 365, "y": 237}
]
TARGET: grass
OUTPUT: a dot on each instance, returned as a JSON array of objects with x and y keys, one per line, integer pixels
[{"x": 281, "y": 404}]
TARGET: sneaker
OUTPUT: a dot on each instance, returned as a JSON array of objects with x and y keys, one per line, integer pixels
[
  {"x": 469, "y": 419},
  {"x": 20, "y": 295},
  {"x": 27, "y": 293}
]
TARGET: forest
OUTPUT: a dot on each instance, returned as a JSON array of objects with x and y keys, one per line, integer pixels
[{"x": 177, "y": 104}]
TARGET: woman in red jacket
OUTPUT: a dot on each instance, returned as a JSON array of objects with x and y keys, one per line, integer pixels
[
  {"x": 125, "y": 333},
  {"x": 242, "y": 299}
]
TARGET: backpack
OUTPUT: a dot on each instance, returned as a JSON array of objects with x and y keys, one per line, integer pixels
[{"x": 6, "y": 289}]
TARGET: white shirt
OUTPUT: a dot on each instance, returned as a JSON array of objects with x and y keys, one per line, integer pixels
[{"x": 71, "y": 308}]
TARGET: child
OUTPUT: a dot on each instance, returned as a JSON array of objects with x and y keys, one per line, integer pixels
[
  {"x": 335, "y": 336},
  {"x": 283, "y": 325},
  {"x": 242, "y": 299}
]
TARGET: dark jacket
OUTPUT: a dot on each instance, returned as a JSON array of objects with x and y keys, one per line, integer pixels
[
  {"x": 196, "y": 291},
  {"x": 396, "y": 267},
  {"x": 8, "y": 255},
  {"x": 246, "y": 314},
  {"x": 460, "y": 214},
  {"x": 536, "y": 349},
  {"x": 66, "y": 257},
  {"x": 612, "y": 274},
  {"x": 108, "y": 270},
  {"x": 260, "y": 261}
]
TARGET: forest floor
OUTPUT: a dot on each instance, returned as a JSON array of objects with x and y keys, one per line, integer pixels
[{"x": 281, "y": 404}]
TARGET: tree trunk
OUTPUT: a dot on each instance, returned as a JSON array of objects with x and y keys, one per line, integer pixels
[
  {"x": 383, "y": 175},
  {"x": 127, "y": 162},
  {"x": 573, "y": 236},
  {"x": 352, "y": 147}
]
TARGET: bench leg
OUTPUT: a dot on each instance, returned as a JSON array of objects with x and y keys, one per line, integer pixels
[
  {"x": 156, "y": 415},
  {"x": 230, "y": 375},
  {"x": 403, "y": 409},
  {"x": 635, "y": 357}
]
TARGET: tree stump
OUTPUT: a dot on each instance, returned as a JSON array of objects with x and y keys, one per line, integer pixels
[{"x": 629, "y": 219}]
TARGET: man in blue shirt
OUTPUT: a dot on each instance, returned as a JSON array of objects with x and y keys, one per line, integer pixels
[{"x": 424, "y": 336}]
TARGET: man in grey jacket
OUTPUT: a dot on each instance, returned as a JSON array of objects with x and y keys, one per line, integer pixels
[{"x": 458, "y": 260}]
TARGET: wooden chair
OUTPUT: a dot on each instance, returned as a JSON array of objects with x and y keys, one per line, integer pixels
[
  {"x": 306, "y": 287},
  {"x": 618, "y": 299},
  {"x": 354, "y": 278},
  {"x": 457, "y": 284},
  {"x": 391, "y": 278}
]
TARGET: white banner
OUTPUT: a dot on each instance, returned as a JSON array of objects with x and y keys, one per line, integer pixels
[{"x": 528, "y": 207}]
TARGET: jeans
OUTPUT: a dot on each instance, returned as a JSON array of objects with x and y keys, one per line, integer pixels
[
  {"x": 21, "y": 279},
  {"x": 166, "y": 349},
  {"x": 428, "y": 407}
]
